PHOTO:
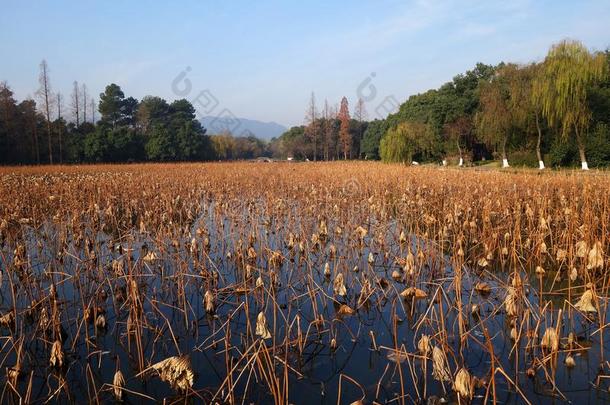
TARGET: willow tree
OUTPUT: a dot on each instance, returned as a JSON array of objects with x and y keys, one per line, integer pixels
[
  {"x": 523, "y": 102},
  {"x": 534, "y": 74},
  {"x": 402, "y": 142},
  {"x": 569, "y": 69},
  {"x": 494, "y": 120},
  {"x": 457, "y": 130}
]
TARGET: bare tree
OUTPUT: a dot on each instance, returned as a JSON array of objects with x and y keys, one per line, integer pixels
[
  {"x": 329, "y": 115},
  {"x": 344, "y": 135},
  {"x": 45, "y": 95},
  {"x": 360, "y": 116},
  {"x": 75, "y": 103},
  {"x": 92, "y": 110},
  {"x": 59, "y": 124},
  {"x": 360, "y": 111},
  {"x": 324, "y": 127},
  {"x": 311, "y": 120},
  {"x": 84, "y": 93},
  {"x": 330, "y": 133}
]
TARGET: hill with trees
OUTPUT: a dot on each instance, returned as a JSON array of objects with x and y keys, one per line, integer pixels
[{"x": 555, "y": 111}]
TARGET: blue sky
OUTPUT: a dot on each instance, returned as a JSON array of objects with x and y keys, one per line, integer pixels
[{"x": 262, "y": 59}]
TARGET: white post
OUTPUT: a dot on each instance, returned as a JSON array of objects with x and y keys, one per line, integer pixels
[
  {"x": 505, "y": 163},
  {"x": 585, "y": 166},
  {"x": 444, "y": 162},
  {"x": 461, "y": 162},
  {"x": 540, "y": 165}
]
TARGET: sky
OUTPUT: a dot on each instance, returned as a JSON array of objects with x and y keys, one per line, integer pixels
[{"x": 263, "y": 59}]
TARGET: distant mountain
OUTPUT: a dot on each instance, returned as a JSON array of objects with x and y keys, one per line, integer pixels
[{"x": 242, "y": 127}]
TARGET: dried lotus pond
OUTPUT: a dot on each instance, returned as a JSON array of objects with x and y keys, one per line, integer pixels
[{"x": 330, "y": 283}]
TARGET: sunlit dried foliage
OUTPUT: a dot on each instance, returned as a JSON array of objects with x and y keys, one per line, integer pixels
[{"x": 243, "y": 276}]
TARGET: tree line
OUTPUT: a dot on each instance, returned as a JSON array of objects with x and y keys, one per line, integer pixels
[
  {"x": 42, "y": 130},
  {"x": 555, "y": 111},
  {"x": 329, "y": 134}
]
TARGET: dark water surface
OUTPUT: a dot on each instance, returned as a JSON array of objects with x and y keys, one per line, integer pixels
[{"x": 178, "y": 324}]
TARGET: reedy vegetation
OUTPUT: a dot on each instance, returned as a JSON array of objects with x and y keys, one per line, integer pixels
[{"x": 260, "y": 267}]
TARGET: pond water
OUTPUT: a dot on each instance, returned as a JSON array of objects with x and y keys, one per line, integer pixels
[{"x": 301, "y": 309}]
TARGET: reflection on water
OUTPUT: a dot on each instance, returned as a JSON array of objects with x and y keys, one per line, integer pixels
[{"x": 229, "y": 251}]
